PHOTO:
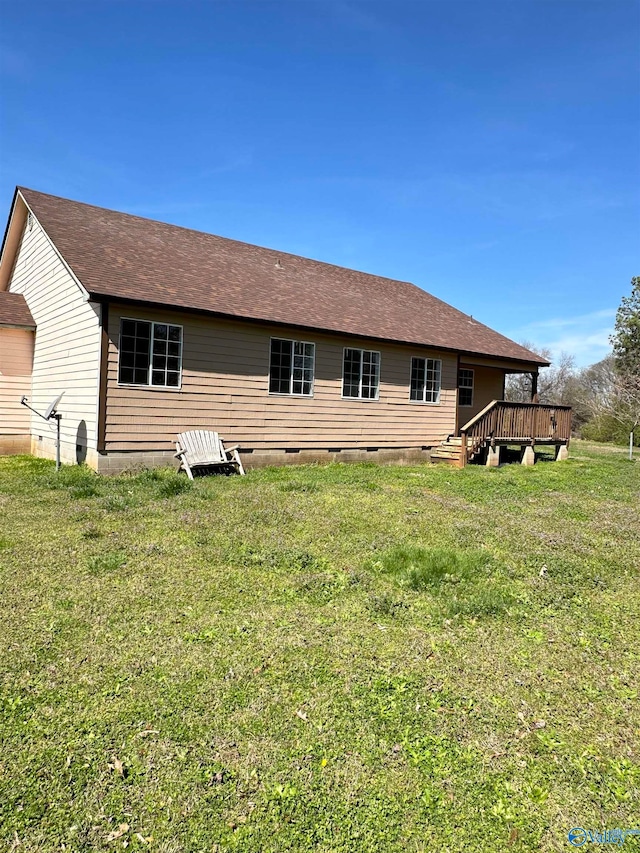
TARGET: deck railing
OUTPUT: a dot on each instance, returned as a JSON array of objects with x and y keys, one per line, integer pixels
[{"x": 517, "y": 423}]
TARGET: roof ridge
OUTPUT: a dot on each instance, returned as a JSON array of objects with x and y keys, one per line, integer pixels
[
  {"x": 118, "y": 255},
  {"x": 278, "y": 252}
]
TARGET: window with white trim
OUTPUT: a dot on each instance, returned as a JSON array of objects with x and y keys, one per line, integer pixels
[
  {"x": 361, "y": 374},
  {"x": 465, "y": 387},
  {"x": 291, "y": 367},
  {"x": 150, "y": 354},
  {"x": 425, "y": 380}
]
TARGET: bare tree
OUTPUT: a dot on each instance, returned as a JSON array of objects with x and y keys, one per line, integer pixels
[
  {"x": 624, "y": 398},
  {"x": 605, "y": 392},
  {"x": 553, "y": 382}
]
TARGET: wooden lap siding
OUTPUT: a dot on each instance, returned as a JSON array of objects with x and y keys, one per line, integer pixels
[
  {"x": 225, "y": 388},
  {"x": 16, "y": 361},
  {"x": 67, "y": 340},
  {"x": 488, "y": 385}
]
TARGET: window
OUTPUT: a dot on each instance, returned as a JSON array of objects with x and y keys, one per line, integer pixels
[
  {"x": 150, "y": 354},
  {"x": 361, "y": 374},
  {"x": 291, "y": 367},
  {"x": 425, "y": 380},
  {"x": 465, "y": 387}
]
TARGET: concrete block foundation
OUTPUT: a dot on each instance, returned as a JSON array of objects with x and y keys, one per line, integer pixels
[
  {"x": 12, "y": 445},
  {"x": 121, "y": 462},
  {"x": 134, "y": 461},
  {"x": 44, "y": 447}
]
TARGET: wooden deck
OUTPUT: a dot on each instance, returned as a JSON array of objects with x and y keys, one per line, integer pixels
[{"x": 503, "y": 423}]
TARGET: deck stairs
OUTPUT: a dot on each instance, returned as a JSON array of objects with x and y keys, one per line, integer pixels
[
  {"x": 449, "y": 451},
  {"x": 503, "y": 423}
]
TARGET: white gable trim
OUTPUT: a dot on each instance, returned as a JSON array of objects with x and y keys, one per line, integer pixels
[{"x": 76, "y": 280}]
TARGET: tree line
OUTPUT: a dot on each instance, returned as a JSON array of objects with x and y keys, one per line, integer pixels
[{"x": 605, "y": 397}]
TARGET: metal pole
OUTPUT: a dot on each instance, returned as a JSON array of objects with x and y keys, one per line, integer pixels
[
  {"x": 631, "y": 446},
  {"x": 58, "y": 419}
]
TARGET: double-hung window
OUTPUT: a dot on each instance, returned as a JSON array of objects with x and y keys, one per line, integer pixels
[
  {"x": 465, "y": 387},
  {"x": 425, "y": 380},
  {"x": 291, "y": 367},
  {"x": 150, "y": 354},
  {"x": 361, "y": 374}
]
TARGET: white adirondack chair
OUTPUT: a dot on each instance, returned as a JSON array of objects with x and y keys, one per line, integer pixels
[{"x": 202, "y": 448}]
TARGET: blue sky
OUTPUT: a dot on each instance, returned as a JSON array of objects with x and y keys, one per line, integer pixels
[{"x": 486, "y": 151}]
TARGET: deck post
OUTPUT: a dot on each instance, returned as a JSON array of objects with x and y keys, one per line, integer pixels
[
  {"x": 535, "y": 398},
  {"x": 529, "y": 456},
  {"x": 462, "y": 461},
  {"x": 562, "y": 453},
  {"x": 493, "y": 456}
]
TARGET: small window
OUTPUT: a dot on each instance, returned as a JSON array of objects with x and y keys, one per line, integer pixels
[
  {"x": 465, "y": 387},
  {"x": 291, "y": 367},
  {"x": 425, "y": 380},
  {"x": 150, "y": 354},
  {"x": 361, "y": 374}
]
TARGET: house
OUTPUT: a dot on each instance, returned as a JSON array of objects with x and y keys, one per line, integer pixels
[{"x": 151, "y": 330}]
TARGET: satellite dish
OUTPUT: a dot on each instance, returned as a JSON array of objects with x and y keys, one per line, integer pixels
[
  {"x": 48, "y": 415},
  {"x": 52, "y": 407}
]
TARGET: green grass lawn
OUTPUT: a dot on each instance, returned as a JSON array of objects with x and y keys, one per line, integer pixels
[{"x": 340, "y": 658}]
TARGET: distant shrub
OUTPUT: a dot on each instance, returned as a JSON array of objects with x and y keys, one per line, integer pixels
[{"x": 607, "y": 429}]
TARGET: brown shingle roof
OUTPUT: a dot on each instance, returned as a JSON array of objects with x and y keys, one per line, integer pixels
[
  {"x": 14, "y": 311},
  {"x": 117, "y": 255}
]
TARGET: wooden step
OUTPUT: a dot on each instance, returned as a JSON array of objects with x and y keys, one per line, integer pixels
[
  {"x": 446, "y": 460},
  {"x": 442, "y": 453}
]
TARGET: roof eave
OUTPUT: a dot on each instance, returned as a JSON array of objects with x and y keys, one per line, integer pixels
[
  {"x": 96, "y": 296},
  {"x": 24, "y": 326},
  {"x": 8, "y": 225}
]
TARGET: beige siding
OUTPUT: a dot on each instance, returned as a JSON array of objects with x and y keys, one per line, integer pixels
[
  {"x": 67, "y": 342},
  {"x": 225, "y": 387},
  {"x": 16, "y": 359},
  {"x": 488, "y": 385},
  {"x": 16, "y": 352}
]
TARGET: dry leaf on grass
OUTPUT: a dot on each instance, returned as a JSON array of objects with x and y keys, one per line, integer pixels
[
  {"x": 122, "y": 829},
  {"x": 117, "y": 765}
]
